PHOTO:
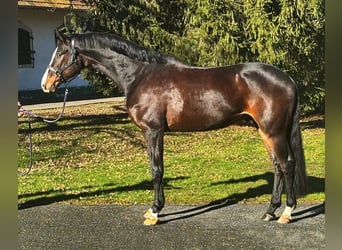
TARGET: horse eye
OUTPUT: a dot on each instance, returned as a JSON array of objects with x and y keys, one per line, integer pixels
[{"x": 60, "y": 53}]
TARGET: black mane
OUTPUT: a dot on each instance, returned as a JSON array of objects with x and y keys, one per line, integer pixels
[{"x": 125, "y": 47}]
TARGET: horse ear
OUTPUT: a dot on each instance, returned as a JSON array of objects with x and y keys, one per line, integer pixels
[{"x": 59, "y": 36}]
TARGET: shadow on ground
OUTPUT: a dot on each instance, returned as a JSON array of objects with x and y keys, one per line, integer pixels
[
  {"x": 52, "y": 196},
  {"x": 316, "y": 185}
]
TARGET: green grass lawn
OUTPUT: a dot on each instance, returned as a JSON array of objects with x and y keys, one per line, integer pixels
[{"x": 95, "y": 155}]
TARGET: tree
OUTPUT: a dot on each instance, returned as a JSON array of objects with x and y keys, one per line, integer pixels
[
  {"x": 285, "y": 33},
  {"x": 290, "y": 35}
]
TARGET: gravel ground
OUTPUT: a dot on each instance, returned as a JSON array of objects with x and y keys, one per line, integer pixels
[{"x": 237, "y": 226}]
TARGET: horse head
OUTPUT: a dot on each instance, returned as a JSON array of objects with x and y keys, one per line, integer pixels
[{"x": 64, "y": 65}]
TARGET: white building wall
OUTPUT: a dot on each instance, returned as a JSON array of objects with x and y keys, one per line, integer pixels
[{"x": 43, "y": 23}]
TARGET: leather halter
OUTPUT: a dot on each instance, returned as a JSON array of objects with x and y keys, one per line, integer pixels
[{"x": 72, "y": 61}]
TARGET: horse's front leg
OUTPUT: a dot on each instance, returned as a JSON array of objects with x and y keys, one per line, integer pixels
[{"x": 155, "y": 142}]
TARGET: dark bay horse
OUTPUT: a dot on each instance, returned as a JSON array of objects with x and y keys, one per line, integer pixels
[{"x": 165, "y": 94}]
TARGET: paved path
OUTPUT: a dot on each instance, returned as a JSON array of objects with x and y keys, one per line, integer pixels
[{"x": 236, "y": 226}]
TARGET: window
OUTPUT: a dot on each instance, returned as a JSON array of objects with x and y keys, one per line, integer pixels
[{"x": 25, "y": 48}]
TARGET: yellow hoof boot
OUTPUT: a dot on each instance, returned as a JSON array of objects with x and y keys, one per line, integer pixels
[
  {"x": 148, "y": 213},
  {"x": 150, "y": 218},
  {"x": 150, "y": 221},
  {"x": 284, "y": 219}
]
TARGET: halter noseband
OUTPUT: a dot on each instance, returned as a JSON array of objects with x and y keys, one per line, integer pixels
[{"x": 72, "y": 60}]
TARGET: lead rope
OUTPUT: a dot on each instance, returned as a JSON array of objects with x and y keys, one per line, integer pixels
[
  {"x": 31, "y": 114},
  {"x": 62, "y": 111}
]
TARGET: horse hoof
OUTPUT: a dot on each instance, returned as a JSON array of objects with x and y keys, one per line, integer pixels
[
  {"x": 150, "y": 218},
  {"x": 284, "y": 219},
  {"x": 268, "y": 217},
  {"x": 150, "y": 221}
]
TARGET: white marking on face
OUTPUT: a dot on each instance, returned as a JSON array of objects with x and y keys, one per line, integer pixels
[
  {"x": 44, "y": 78},
  {"x": 53, "y": 56}
]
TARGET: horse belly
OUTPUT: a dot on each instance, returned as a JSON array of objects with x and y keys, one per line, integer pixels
[
  {"x": 198, "y": 123},
  {"x": 205, "y": 112}
]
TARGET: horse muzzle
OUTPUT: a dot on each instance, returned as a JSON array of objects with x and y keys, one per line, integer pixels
[{"x": 50, "y": 82}]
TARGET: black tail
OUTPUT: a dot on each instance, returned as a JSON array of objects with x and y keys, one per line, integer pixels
[{"x": 300, "y": 182}]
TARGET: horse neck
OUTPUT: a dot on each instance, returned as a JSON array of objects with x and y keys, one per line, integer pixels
[{"x": 120, "y": 68}]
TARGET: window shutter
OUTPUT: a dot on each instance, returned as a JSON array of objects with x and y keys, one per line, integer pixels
[{"x": 25, "y": 50}]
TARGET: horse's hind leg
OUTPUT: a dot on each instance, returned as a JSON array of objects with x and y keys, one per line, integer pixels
[
  {"x": 278, "y": 184},
  {"x": 278, "y": 181},
  {"x": 281, "y": 154},
  {"x": 291, "y": 201}
]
